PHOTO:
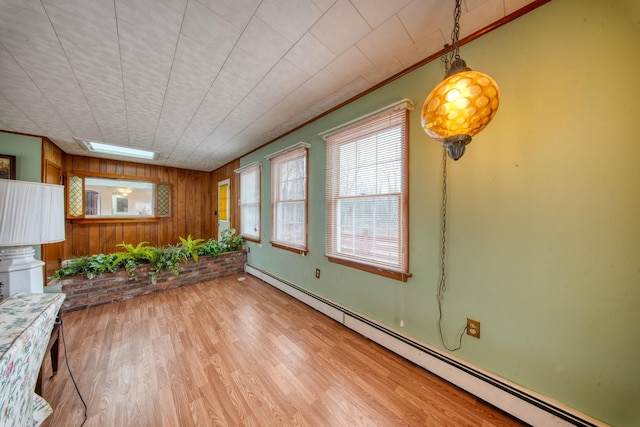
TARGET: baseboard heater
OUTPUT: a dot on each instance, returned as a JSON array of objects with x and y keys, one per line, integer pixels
[{"x": 523, "y": 404}]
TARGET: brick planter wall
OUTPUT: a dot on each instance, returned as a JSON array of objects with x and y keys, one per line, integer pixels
[{"x": 105, "y": 288}]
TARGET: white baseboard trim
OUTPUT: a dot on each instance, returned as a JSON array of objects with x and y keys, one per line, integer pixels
[{"x": 523, "y": 404}]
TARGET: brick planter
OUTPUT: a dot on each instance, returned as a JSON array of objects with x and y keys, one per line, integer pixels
[{"x": 105, "y": 288}]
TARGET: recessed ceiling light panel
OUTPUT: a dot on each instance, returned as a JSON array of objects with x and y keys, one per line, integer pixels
[{"x": 118, "y": 150}]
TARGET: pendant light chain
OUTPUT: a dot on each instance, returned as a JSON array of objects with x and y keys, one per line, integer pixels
[
  {"x": 463, "y": 103},
  {"x": 455, "y": 33},
  {"x": 442, "y": 285},
  {"x": 443, "y": 210}
]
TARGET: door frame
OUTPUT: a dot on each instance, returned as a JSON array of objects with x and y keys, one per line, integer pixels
[{"x": 220, "y": 184}]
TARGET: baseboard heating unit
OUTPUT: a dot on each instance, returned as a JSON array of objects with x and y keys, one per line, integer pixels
[{"x": 523, "y": 404}]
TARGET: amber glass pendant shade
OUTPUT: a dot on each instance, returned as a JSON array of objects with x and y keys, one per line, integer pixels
[{"x": 460, "y": 107}]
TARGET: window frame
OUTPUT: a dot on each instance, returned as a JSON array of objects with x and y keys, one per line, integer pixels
[
  {"x": 242, "y": 203},
  {"x": 278, "y": 159},
  {"x": 350, "y": 134}
]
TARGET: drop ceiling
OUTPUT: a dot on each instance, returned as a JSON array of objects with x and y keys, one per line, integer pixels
[{"x": 203, "y": 82}]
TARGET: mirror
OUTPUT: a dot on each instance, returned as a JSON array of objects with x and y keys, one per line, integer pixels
[{"x": 118, "y": 198}]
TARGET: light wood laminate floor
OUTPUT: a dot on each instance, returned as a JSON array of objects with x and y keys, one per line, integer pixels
[{"x": 242, "y": 353}]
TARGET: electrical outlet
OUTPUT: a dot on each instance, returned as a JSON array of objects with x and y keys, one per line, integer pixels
[
  {"x": 317, "y": 273},
  {"x": 473, "y": 328},
  {"x": 401, "y": 323}
]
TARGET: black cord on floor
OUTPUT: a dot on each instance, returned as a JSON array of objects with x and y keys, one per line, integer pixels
[{"x": 66, "y": 359}]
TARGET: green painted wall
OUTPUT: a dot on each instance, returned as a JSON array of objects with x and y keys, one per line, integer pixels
[
  {"x": 28, "y": 152},
  {"x": 544, "y": 241}
]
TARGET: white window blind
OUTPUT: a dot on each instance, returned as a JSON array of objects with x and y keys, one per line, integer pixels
[
  {"x": 367, "y": 194},
  {"x": 289, "y": 199},
  {"x": 250, "y": 201}
]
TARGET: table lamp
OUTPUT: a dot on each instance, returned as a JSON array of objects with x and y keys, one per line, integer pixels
[{"x": 31, "y": 213}]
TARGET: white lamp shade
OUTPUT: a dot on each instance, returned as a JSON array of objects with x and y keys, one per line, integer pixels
[{"x": 31, "y": 213}]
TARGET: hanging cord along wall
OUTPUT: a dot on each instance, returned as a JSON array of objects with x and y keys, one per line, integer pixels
[{"x": 442, "y": 284}]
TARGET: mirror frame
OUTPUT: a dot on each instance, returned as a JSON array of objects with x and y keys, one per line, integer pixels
[{"x": 75, "y": 198}]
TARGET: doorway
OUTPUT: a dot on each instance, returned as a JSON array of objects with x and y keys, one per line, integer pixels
[{"x": 224, "y": 211}]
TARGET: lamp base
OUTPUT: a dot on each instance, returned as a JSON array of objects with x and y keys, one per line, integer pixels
[
  {"x": 20, "y": 271},
  {"x": 455, "y": 145}
]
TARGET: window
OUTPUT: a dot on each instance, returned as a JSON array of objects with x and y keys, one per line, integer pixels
[
  {"x": 250, "y": 201},
  {"x": 367, "y": 193},
  {"x": 289, "y": 198}
]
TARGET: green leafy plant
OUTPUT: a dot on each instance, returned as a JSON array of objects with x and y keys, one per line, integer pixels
[
  {"x": 231, "y": 241},
  {"x": 170, "y": 258},
  {"x": 100, "y": 263},
  {"x": 134, "y": 256},
  {"x": 166, "y": 259},
  {"x": 210, "y": 248},
  {"x": 90, "y": 266},
  {"x": 191, "y": 246}
]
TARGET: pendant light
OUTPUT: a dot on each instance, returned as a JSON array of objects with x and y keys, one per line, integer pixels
[{"x": 462, "y": 104}]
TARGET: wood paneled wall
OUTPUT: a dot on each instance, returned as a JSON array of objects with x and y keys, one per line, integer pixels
[
  {"x": 52, "y": 166},
  {"x": 51, "y": 154},
  {"x": 192, "y": 207}
]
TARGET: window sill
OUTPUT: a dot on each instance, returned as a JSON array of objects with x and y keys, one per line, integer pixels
[
  {"x": 113, "y": 220},
  {"x": 300, "y": 251},
  {"x": 251, "y": 239},
  {"x": 395, "y": 275}
]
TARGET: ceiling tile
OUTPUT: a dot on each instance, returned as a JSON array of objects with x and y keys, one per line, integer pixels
[
  {"x": 382, "y": 70},
  {"x": 349, "y": 65},
  {"x": 381, "y": 43},
  {"x": 263, "y": 43},
  {"x": 90, "y": 42},
  {"x": 191, "y": 77},
  {"x": 310, "y": 55},
  {"x": 29, "y": 38},
  {"x": 21, "y": 9},
  {"x": 375, "y": 12},
  {"x": 484, "y": 12},
  {"x": 281, "y": 80},
  {"x": 340, "y": 27},
  {"x": 231, "y": 86},
  {"x": 210, "y": 29},
  {"x": 469, "y": 5},
  {"x": 422, "y": 17},
  {"x": 290, "y": 18},
  {"x": 13, "y": 118},
  {"x": 238, "y": 12},
  {"x": 347, "y": 91},
  {"x": 420, "y": 50},
  {"x": 302, "y": 99},
  {"x": 21, "y": 92},
  {"x": 324, "y": 5},
  {"x": 177, "y": 5},
  {"x": 148, "y": 36},
  {"x": 196, "y": 65},
  {"x": 322, "y": 83}
]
